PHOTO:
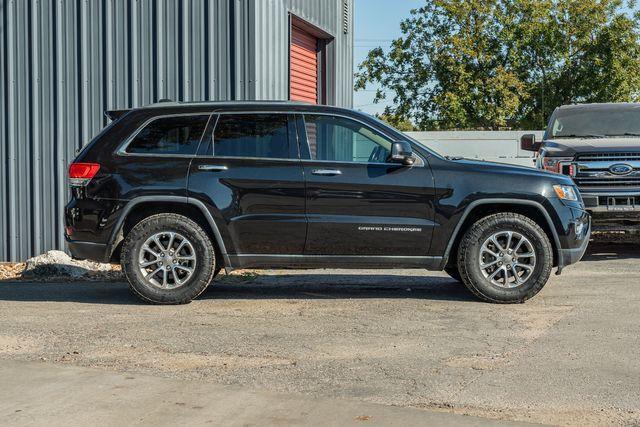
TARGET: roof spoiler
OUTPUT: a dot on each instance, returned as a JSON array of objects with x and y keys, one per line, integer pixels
[{"x": 115, "y": 114}]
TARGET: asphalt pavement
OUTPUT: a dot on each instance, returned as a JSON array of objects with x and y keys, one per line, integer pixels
[{"x": 398, "y": 340}]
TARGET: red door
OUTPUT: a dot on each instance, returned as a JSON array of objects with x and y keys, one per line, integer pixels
[{"x": 303, "y": 74}]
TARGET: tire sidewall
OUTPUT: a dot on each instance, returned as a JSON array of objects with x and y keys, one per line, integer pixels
[
  {"x": 205, "y": 259},
  {"x": 479, "y": 284}
]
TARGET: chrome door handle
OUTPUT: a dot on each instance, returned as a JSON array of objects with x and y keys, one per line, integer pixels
[
  {"x": 326, "y": 172},
  {"x": 212, "y": 168}
]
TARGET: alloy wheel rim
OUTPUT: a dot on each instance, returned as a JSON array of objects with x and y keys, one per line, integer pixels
[
  {"x": 507, "y": 259},
  {"x": 167, "y": 260}
]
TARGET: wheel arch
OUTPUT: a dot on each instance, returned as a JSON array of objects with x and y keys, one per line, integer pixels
[
  {"x": 482, "y": 208},
  {"x": 144, "y": 206}
]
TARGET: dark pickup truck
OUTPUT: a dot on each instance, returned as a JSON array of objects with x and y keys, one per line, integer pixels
[{"x": 598, "y": 145}]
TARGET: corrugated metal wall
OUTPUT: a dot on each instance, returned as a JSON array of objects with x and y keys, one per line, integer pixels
[
  {"x": 272, "y": 28},
  {"x": 63, "y": 62}
]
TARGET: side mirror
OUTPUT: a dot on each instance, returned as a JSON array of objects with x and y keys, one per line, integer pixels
[
  {"x": 401, "y": 152},
  {"x": 528, "y": 142}
]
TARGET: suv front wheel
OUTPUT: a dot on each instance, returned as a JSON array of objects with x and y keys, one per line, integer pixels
[
  {"x": 505, "y": 258},
  {"x": 168, "y": 259}
]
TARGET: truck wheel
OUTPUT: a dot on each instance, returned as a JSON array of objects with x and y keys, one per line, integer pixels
[
  {"x": 453, "y": 272},
  {"x": 505, "y": 258},
  {"x": 168, "y": 259}
]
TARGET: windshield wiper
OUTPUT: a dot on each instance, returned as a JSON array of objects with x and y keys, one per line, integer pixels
[{"x": 589, "y": 135}]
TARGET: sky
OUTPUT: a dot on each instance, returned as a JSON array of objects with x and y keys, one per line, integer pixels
[{"x": 376, "y": 23}]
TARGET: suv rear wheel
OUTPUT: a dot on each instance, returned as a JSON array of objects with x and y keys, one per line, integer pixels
[
  {"x": 505, "y": 258},
  {"x": 168, "y": 259}
]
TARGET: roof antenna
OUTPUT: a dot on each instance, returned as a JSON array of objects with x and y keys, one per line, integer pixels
[{"x": 165, "y": 100}]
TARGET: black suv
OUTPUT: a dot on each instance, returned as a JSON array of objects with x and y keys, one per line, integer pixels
[
  {"x": 177, "y": 191},
  {"x": 598, "y": 145}
]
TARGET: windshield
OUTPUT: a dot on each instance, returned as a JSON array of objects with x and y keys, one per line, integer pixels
[{"x": 596, "y": 121}]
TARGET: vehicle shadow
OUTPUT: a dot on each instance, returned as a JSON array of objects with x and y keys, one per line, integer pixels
[
  {"x": 65, "y": 291},
  {"x": 285, "y": 286},
  {"x": 314, "y": 284},
  {"x": 340, "y": 286},
  {"x": 603, "y": 250}
]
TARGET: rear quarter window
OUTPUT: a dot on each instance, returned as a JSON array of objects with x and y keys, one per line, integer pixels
[{"x": 169, "y": 135}]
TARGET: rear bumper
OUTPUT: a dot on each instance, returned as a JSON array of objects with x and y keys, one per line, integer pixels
[{"x": 88, "y": 250}]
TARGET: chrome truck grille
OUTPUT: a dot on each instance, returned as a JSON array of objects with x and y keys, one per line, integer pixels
[
  {"x": 609, "y": 157},
  {"x": 610, "y": 170}
]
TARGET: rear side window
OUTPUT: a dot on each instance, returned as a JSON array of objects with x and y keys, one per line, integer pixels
[
  {"x": 169, "y": 135},
  {"x": 251, "y": 135}
]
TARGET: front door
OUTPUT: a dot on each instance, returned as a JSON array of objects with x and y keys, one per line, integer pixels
[
  {"x": 249, "y": 173},
  {"x": 358, "y": 204}
]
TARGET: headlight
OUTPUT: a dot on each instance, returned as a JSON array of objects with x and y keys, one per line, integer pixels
[
  {"x": 557, "y": 164},
  {"x": 566, "y": 192}
]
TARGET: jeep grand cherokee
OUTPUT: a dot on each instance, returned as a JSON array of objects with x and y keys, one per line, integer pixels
[{"x": 177, "y": 191}]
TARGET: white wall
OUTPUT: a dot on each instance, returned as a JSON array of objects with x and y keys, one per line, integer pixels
[{"x": 495, "y": 146}]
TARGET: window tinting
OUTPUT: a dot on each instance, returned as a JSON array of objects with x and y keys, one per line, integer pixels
[
  {"x": 344, "y": 140},
  {"x": 251, "y": 135},
  {"x": 170, "y": 135}
]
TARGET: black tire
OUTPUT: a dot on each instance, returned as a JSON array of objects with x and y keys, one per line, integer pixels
[
  {"x": 205, "y": 260},
  {"x": 453, "y": 271},
  {"x": 469, "y": 253}
]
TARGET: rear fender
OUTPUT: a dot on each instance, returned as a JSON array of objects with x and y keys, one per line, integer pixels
[{"x": 117, "y": 229}]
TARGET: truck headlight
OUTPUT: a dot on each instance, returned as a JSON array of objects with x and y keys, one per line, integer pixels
[
  {"x": 566, "y": 192},
  {"x": 557, "y": 164}
]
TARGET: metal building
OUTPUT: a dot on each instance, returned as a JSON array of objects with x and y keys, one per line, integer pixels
[{"x": 64, "y": 62}]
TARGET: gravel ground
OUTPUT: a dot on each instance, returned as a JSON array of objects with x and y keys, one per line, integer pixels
[{"x": 404, "y": 337}]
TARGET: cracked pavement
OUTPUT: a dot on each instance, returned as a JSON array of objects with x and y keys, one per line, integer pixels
[{"x": 406, "y": 338}]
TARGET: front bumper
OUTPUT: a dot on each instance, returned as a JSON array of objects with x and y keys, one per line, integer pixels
[
  {"x": 611, "y": 201},
  {"x": 568, "y": 256},
  {"x": 613, "y": 211}
]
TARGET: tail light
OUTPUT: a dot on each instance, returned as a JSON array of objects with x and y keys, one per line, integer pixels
[
  {"x": 558, "y": 165},
  {"x": 81, "y": 173}
]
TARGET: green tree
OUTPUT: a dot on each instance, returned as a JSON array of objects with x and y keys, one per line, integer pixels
[
  {"x": 493, "y": 63},
  {"x": 402, "y": 124}
]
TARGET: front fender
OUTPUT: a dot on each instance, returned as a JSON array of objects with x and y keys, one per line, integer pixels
[{"x": 550, "y": 222}]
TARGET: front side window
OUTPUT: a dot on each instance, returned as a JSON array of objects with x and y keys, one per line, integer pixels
[
  {"x": 343, "y": 140},
  {"x": 251, "y": 135},
  {"x": 170, "y": 135}
]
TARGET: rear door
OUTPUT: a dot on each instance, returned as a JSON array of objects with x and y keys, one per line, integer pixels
[
  {"x": 249, "y": 174},
  {"x": 358, "y": 203}
]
